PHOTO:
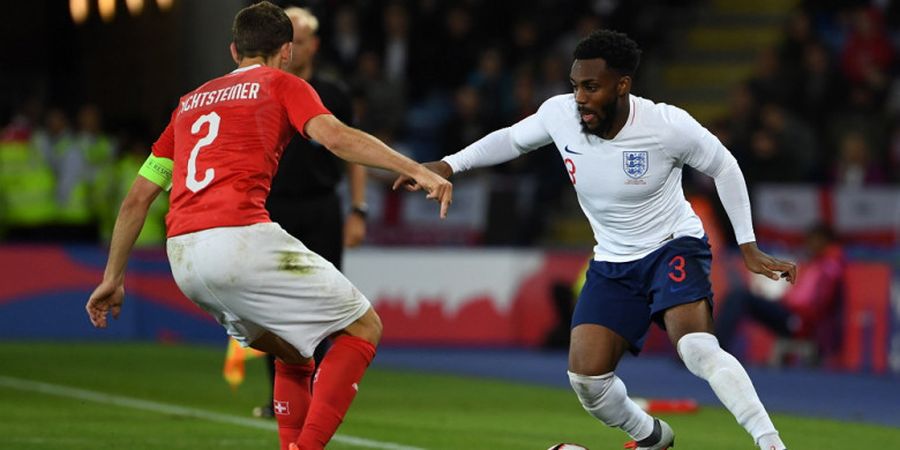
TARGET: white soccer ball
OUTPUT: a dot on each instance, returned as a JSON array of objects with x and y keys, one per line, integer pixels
[{"x": 565, "y": 446}]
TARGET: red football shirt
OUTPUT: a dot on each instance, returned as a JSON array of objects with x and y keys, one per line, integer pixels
[{"x": 226, "y": 138}]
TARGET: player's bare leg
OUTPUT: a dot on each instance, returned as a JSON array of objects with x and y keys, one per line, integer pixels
[
  {"x": 594, "y": 353},
  {"x": 690, "y": 328},
  {"x": 337, "y": 380},
  {"x": 291, "y": 394}
]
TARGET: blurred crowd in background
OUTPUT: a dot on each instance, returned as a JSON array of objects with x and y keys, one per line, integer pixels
[{"x": 821, "y": 106}]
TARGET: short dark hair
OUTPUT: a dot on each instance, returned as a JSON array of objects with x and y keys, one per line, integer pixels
[
  {"x": 617, "y": 49},
  {"x": 261, "y": 29}
]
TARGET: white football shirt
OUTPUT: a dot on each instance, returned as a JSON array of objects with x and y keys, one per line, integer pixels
[{"x": 629, "y": 187}]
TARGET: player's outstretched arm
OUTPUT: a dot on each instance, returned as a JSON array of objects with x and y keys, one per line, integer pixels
[
  {"x": 759, "y": 262},
  {"x": 709, "y": 156},
  {"x": 496, "y": 148},
  {"x": 360, "y": 147},
  {"x": 109, "y": 295}
]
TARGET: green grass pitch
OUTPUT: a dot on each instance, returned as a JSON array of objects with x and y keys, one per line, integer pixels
[{"x": 153, "y": 397}]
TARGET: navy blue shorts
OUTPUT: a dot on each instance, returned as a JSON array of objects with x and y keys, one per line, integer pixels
[{"x": 625, "y": 297}]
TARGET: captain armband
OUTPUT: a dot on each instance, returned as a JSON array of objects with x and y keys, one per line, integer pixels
[{"x": 158, "y": 171}]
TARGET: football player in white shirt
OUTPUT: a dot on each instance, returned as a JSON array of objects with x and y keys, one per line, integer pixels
[{"x": 624, "y": 155}]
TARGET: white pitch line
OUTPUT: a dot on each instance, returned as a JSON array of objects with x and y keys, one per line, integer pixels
[{"x": 164, "y": 408}]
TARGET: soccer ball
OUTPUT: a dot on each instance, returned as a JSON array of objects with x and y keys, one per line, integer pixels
[{"x": 565, "y": 446}]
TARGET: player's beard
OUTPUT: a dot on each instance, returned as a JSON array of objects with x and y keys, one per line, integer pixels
[{"x": 609, "y": 114}]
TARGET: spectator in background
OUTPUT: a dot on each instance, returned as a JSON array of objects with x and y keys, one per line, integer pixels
[
  {"x": 75, "y": 217},
  {"x": 524, "y": 96},
  {"x": 867, "y": 54},
  {"x": 797, "y": 35},
  {"x": 525, "y": 39},
  {"x": 467, "y": 123},
  {"x": 459, "y": 49},
  {"x": 809, "y": 309},
  {"x": 27, "y": 183},
  {"x": 492, "y": 83},
  {"x": 819, "y": 90},
  {"x": 739, "y": 124},
  {"x": 346, "y": 41},
  {"x": 767, "y": 161},
  {"x": 53, "y": 134},
  {"x": 397, "y": 45},
  {"x": 99, "y": 151},
  {"x": 794, "y": 137},
  {"x": 855, "y": 166},
  {"x": 383, "y": 99},
  {"x": 862, "y": 114},
  {"x": 767, "y": 83},
  {"x": 24, "y": 121},
  {"x": 584, "y": 25},
  {"x": 426, "y": 20},
  {"x": 553, "y": 77}
]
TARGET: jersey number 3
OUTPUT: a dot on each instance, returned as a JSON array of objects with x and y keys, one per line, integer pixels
[
  {"x": 213, "y": 131},
  {"x": 570, "y": 167}
]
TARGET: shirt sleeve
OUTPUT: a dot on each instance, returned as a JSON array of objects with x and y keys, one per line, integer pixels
[
  {"x": 164, "y": 147},
  {"x": 504, "y": 144},
  {"x": 531, "y": 132},
  {"x": 690, "y": 143},
  {"x": 735, "y": 199},
  {"x": 300, "y": 100},
  {"x": 495, "y": 148}
]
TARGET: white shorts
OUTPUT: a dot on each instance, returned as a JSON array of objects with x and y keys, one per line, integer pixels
[{"x": 259, "y": 278}]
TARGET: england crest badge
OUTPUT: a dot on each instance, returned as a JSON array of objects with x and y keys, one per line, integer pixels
[{"x": 635, "y": 164}]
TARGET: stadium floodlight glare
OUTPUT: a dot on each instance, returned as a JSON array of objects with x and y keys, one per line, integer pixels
[
  {"x": 79, "y": 10},
  {"x": 164, "y": 5},
  {"x": 107, "y": 9},
  {"x": 135, "y": 7}
]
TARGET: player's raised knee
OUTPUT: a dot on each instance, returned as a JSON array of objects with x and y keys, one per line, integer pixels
[{"x": 368, "y": 327}]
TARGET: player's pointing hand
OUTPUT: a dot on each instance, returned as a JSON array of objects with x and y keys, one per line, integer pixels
[
  {"x": 437, "y": 187},
  {"x": 759, "y": 262},
  {"x": 439, "y": 167}
]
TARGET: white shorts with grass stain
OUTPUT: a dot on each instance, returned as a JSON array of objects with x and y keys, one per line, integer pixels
[{"x": 259, "y": 278}]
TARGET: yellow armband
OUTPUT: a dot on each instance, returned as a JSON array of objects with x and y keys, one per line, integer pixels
[{"x": 158, "y": 171}]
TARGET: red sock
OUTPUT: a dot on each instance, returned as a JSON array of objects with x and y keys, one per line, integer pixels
[
  {"x": 335, "y": 387},
  {"x": 291, "y": 399}
]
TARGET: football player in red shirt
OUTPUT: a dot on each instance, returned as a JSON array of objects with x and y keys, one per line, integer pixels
[{"x": 219, "y": 154}]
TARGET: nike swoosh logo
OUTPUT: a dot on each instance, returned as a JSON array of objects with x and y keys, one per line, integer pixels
[
  {"x": 570, "y": 151},
  {"x": 677, "y": 288}
]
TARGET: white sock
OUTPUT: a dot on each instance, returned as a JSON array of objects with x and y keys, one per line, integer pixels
[
  {"x": 704, "y": 358},
  {"x": 606, "y": 398}
]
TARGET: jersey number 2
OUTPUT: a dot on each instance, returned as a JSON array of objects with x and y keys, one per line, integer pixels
[{"x": 192, "y": 182}]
